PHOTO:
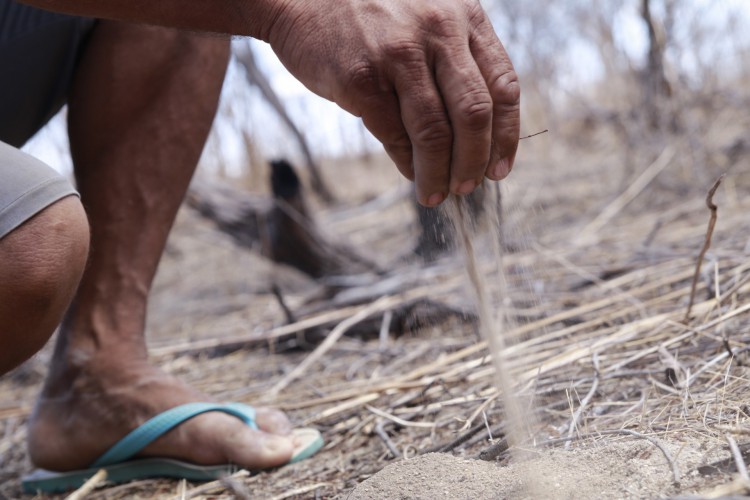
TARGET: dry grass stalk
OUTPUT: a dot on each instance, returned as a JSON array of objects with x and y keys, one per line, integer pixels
[
  {"x": 584, "y": 403},
  {"x": 89, "y": 486},
  {"x": 302, "y": 490},
  {"x": 616, "y": 206},
  {"x": 738, "y": 460},
  {"x": 381, "y": 305}
]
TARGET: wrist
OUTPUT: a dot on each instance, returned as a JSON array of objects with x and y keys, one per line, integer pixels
[{"x": 262, "y": 19}]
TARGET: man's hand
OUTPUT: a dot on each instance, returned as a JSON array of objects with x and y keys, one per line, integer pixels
[{"x": 429, "y": 78}]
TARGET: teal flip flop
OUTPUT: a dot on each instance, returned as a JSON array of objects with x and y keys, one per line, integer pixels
[{"x": 120, "y": 468}]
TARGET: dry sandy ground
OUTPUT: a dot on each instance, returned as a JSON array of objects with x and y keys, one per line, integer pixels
[
  {"x": 621, "y": 298},
  {"x": 611, "y": 470}
]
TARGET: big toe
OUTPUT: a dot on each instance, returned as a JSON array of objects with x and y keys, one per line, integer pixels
[
  {"x": 254, "y": 449},
  {"x": 273, "y": 421}
]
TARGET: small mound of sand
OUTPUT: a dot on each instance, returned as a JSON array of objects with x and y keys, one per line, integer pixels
[{"x": 615, "y": 470}]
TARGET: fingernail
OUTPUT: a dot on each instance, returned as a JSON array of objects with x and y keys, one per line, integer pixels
[
  {"x": 500, "y": 170},
  {"x": 466, "y": 187},
  {"x": 435, "y": 199}
]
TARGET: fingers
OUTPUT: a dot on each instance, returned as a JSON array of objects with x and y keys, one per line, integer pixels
[
  {"x": 502, "y": 83},
  {"x": 411, "y": 122},
  {"x": 460, "y": 105},
  {"x": 469, "y": 107},
  {"x": 426, "y": 122},
  {"x": 382, "y": 116},
  {"x": 449, "y": 114},
  {"x": 369, "y": 95}
]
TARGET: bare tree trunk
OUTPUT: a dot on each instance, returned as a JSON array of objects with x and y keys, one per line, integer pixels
[
  {"x": 256, "y": 77},
  {"x": 656, "y": 85}
]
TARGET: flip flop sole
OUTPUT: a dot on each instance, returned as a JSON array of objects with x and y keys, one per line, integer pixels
[
  {"x": 145, "y": 468},
  {"x": 309, "y": 441}
]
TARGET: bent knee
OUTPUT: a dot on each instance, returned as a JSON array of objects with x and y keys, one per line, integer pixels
[
  {"x": 41, "y": 264},
  {"x": 44, "y": 241},
  {"x": 45, "y": 256}
]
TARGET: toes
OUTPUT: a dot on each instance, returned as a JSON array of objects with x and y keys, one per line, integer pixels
[{"x": 273, "y": 421}]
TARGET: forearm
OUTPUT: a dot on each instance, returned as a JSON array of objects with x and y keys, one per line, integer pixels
[{"x": 236, "y": 17}]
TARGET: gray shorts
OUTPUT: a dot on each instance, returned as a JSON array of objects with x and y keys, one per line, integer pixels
[
  {"x": 27, "y": 186},
  {"x": 39, "y": 51}
]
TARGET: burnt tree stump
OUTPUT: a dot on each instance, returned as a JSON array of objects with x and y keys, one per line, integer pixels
[
  {"x": 281, "y": 226},
  {"x": 436, "y": 233}
]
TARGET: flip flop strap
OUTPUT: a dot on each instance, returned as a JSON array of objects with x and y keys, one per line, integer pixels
[{"x": 157, "y": 426}]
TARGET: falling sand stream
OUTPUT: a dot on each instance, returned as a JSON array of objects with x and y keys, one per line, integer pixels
[{"x": 493, "y": 320}]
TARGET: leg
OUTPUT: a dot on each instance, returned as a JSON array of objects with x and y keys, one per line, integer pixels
[{"x": 141, "y": 106}]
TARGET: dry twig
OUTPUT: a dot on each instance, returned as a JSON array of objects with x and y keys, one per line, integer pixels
[
  {"x": 382, "y": 434},
  {"x": 706, "y": 244}
]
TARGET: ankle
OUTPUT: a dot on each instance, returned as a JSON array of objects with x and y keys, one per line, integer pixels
[{"x": 85, "y": 367}]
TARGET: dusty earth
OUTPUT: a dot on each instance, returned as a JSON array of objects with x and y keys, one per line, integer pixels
[{"x": 612, "y": 470}]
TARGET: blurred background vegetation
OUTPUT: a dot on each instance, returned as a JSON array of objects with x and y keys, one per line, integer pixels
[{"x": 633, "y": 75}]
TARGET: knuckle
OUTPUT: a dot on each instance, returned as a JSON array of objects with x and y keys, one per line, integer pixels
[
  {"x": 403, "y": 51},
  {"x": 506, "y": 88},
  {"x": 433, "y": 133},
  {"x": 440, "y": 21},
  {"x": 475, "y": 110},
  {"x": 363, "y": 78}
]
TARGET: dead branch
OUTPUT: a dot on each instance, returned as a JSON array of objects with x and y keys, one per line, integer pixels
[
  {"x": 301, "y": 491},
  {"x": 461, "y": 439},
  {"x": 627, "y": 196}
]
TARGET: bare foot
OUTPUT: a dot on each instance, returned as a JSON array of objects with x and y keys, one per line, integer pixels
[{"x": 71, "y": 430}]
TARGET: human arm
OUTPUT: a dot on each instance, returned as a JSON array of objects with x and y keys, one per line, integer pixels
[{"x": 430, "y": 79}]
